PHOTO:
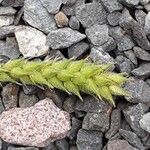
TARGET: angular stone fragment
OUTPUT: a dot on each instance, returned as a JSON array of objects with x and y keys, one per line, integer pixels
[
  {"x": 97, "y": 34},
  {"x": 32, "y": 43},
  {"x": 63, "y": 38},
  {"x": 96, "y": 121},
  {"x": 6, "y": 20},
  {"x": 62, "y": 144},
  {"x": 89, "y": 140},
  {"x": 112, "y": 5},
  {"x": 22, "y": 148},
  {"x": 140, "y": 94},
  {"x": 34, "y": 126},
  {"x": 52, "y": 6},
  {"x": 130, "y": 2},
  {"x": 90, "y": 14},
  {"x": 10, "y": 96},
  {"x": 142, "y": 72},
  {"x": 40, "y": 19},
  {"x": 1, "y": 106},
  {"x": 140, "y": 17},
  {"x": 74, "y": 23},
  {"x": 13, "y": 3},
  {"x": 131, "y": 55},
  {"x": 119, "y": 145},
  {"x": 133, "y": 115},
  {"x": 132, "y": 138},
  {"x": 7, "y": 11},
  {"x": 141, "y": 54}
]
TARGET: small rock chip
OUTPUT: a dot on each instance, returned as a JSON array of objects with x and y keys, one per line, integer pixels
[
  {"x": 130, "y": 2},
  {"x": 62, "y": 144},
  {"x": 40, "y": 19},
  {"x": 141, "y": 54},
  {"x": 90, "y": 14},
  {"x": 140, "y": 17},
  {"x": 34, "y": 126},
  {"x": 89, "y": 140},
  {"x": 119, "y": 145},
  {"x": 132, "y": 138},
  {"x": 6, "y": 20},
  {"x": 13, "y": 3},
  {"x": 97, "y": 34},
  {"x": 61, "y": 19},
  {"x": 32, "y": 43},
  {"x": 74, "y": 23},
  {"x": 145, "y": 122},
  {"x": 7, "y": 11},
  {"x": 52, "y": 6},
  {"x": 63, "y": 38},
  {"x": 1, "y": 106}
]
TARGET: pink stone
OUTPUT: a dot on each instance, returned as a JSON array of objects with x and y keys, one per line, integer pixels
[{"x": 34, "y": 126}]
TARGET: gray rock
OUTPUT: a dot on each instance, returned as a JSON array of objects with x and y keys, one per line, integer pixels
[
  {"x": 10, "y": 96},
  {"x": 69, "y": 9},
  {"x": 147, "y": 23},
  {"x": 119, "y": 145},
  {"x": 89, "y": 140},
  {"x": 99, "y": 56},
  {"x": 7, "y": 11},
  {"x": 52, "y": 6},
  {"x": 112, "y": 5},
  {"x": 62, "y": 144},
  {"x": 51, "y": 146},
  {"x": 13, "y": 3},
  {"x": 90, "y": 14},
  {"x": 22, "y": 148},
  {"x": 133, "y": 114},
  {"x": 68, "y": 2},
  {"x": 110, "y": 45},
  {"x": 124, "y": 64},
  {"x": 131, "y": 55},
  {"x": 114, "y": 123},
  {"x": 97, "y": 34},
  {"x": 147, "y": 7},
  {"x": 130, "y": 2},
  {"x": 76, "y": 125},
  {"x": 127, "y": 22},
  {"x": 6, "y": 20},
  {"x": 69, "y": 104},
  {"x": 10, "y": 48},
  {"x": 141, "y": 54},
  {"x": 63, "y": 38},
  {"x": 27, "y": 100},
  {"x": 73, "y": 148},
  {"x": 1, "y": 107},
  {"x": 96, "y": 121},
  {"x": 145, "y": 122},
  {"x": 78, "y": 49},
  {"x": 29, "y": 89},
  {"x": 140, "y": 94},
  {"x": 90, "y": 104},
  {"x": 0, "y": 144},
  {"x": 80, "y": 114},
  {"x": 140, "y": 17},
  {"x": 74, "y": 23},
  {"x": 40, "y": 19},
  {"x": 6, "y": 31},
  {"x": 124, "y": 42},
  {"x": 132, "y": 138},
  {"x": 113, "y": 18},
  {"x": 18, "y": 16},
  {"x": 142, "y": 72}
]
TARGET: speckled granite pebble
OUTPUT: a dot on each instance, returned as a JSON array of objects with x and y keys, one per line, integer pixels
[{"x": 34, "y": 126}]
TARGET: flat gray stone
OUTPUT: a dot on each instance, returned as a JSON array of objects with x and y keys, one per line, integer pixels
[
  {"x": 89, "y": 140},
  {"x": 90, "y": 14},
  {"x": 132, "y": 138},
  {"x": 6, "y": 20},
  {"x": 141, "y": 54},
  {"x": 131, "y": 55},
  {"x": 52, "y": 6},
  {"x": 37, "y": 126},
  {"x": 140, "y": 17},
  {"x": 97, "y": 34},
  {"x": 140, "y": 94},
  {"x": 119, "y": 145},
  {"x": 145, "y": 122},
  {"x": 74, "y": 23},
  {"x": 7, "y": 11},
  {"x": 37, "y": 16},
  {"x": 112, "y": 5},
  {"x": 31, "y": 42},
  {"x": 63, "y": 38},
  {"x": 96, "y": 121},
  {"x": 130, "y": 2},
  {"x": 133, "y": 115},
  {"x": 142, "y": 72},
  {"x": 62, "y": 144},
  {"x": 13, "y": 3}
]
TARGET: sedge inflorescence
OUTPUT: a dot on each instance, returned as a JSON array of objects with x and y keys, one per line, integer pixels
[{"x": 67, "y": 75}]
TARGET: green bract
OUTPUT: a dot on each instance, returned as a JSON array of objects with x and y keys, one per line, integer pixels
[{"x": 67, "y": 75}]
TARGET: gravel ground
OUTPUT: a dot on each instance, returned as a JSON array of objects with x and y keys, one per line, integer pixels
[{"x": 106, "y": 31}]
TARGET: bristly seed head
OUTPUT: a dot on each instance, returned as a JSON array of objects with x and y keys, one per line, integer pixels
[{"x": 67, "y": 75}]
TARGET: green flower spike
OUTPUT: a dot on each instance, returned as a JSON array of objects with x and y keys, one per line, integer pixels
[{"x": 67, "y": 75}]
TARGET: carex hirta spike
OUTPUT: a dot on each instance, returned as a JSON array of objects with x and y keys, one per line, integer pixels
[{"x": 69, "y": 75}]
